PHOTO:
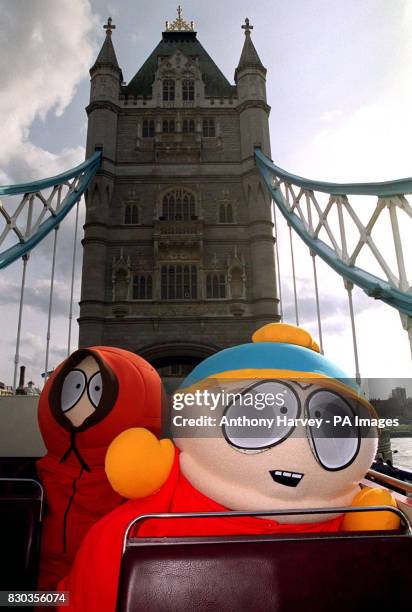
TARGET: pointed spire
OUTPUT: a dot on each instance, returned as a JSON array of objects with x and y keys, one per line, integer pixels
[
  {"x": 107, "y": 55},
  {"x": 249, "y": 57}
]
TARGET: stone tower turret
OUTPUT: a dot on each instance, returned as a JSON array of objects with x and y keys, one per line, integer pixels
[
  {"x": 250, "y": 78},
  {"x": 106, "y": 79},
  {"x": 103, "y": 110}
]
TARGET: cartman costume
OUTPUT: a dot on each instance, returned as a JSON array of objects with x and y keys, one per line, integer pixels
[
  {"x": 208, "y": 474},
  {"x": 88, "y": 400}
]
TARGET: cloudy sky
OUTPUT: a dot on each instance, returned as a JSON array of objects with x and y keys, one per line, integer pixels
[{"x": 339, "y": 83}]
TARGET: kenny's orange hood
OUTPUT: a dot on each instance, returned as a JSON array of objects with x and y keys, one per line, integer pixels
[{"x": 132, "y": 397}]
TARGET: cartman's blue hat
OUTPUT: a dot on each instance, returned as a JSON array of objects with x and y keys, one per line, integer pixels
[{"x": 277, "y": 350}]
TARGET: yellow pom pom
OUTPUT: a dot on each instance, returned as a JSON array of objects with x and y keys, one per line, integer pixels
[
  {"x": 370, "y": 521},
  {"x": 137, "y": 463},
  {"x": 284, "y": 332}
]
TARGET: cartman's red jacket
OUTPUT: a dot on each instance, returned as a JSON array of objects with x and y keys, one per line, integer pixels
[
  {"x": 78, "y": 493},
  {"x": 93, "y": 580}
]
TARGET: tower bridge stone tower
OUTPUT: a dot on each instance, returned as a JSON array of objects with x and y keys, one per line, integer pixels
[{"x": 178, "y": 246}]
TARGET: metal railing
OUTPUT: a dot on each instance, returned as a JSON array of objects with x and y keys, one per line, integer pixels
[
  {"x": 29, "y": 212},
  {"x": 333, "y": 228},
  {"x": 390, "y": 480},
  {"x": 268, "y": 513},
  {"x": 36, "y": 214}
]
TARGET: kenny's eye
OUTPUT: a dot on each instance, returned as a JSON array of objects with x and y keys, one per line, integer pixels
[
  {"x": 260, "y": 417},
  {"x": 335, "y": 444},
  {"x": 95, "y": 389},
  {"x": 72, "y": 389}
]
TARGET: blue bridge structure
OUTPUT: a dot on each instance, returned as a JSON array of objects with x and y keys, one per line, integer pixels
[{"x": 325, "y": 216}]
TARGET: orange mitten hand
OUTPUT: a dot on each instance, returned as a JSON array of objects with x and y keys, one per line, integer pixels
[
  {"x": 137, "y": 463},
  {"x": 370, "y": 521}
]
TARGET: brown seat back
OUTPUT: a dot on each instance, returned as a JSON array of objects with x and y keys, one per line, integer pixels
[
  {"x": 21, "y": 503},
  {"x": 286, "y": 573}
]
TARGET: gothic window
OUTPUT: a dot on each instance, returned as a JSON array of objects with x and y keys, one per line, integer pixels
[
  {"x": 168, "y": 90},
  {"x": 121, "y": 285},
  {"x": 131, "y": 214},
  {"x": 188, "y": 90},
  {"x": 188, "y": 126},
  {"x": 142, "y": 287},
  {"x": 179, "y": 282},
  {"x": 236, "y": 283},
  {"x": 225, "y": 212},
  {"x": 148, "y": 128},
  {"x": 216, "y": 286},
  {"x": 209, "y": 128},
  {"x": 168, "y": 126},
  {"x": 178, "y": 205}
]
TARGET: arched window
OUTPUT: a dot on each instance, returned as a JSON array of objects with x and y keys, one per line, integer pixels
[
  {"x": 216, "y": 286},
  {"x": 178, "y": 205},
  {"x": 142, "y": 287},
  {"x": 188, "y": 90},
  {"x": 225, "y": 212},
  {"x": 168, "y": 90},
  {"x": 131, "y": 214},
  {"x": 148, "y": 130},
  {"x": 168, "y": 126},
  {"x": 179, "y": 282},
  {"x": 209, "y": 128},
  {"x": 188, "y": 126}
]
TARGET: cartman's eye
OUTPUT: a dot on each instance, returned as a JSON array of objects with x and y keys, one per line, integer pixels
[
  {"x": 335, "y": 444},
  {"x": 95, "y": 389},
  {"x": 72, "y": 390},
  {"x": 260, "y": 417}
]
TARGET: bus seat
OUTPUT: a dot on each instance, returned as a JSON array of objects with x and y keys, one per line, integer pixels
[
  {"x": 280, "y": 573},
  {"x": 18, "y": 467},
  {"x": 21, "y": 504}
]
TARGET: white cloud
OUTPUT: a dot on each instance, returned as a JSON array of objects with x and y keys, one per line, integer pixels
[
  {"x": 331, "y": 115},
  {"x": 46, "y": 51},
  {"x": 37, "y": 295},
  {"x": 33, "y": 356},
  {"x": 368, "y": 143}
]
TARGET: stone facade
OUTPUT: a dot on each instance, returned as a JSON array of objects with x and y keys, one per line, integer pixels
[{"x": 178, "y": 247}]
